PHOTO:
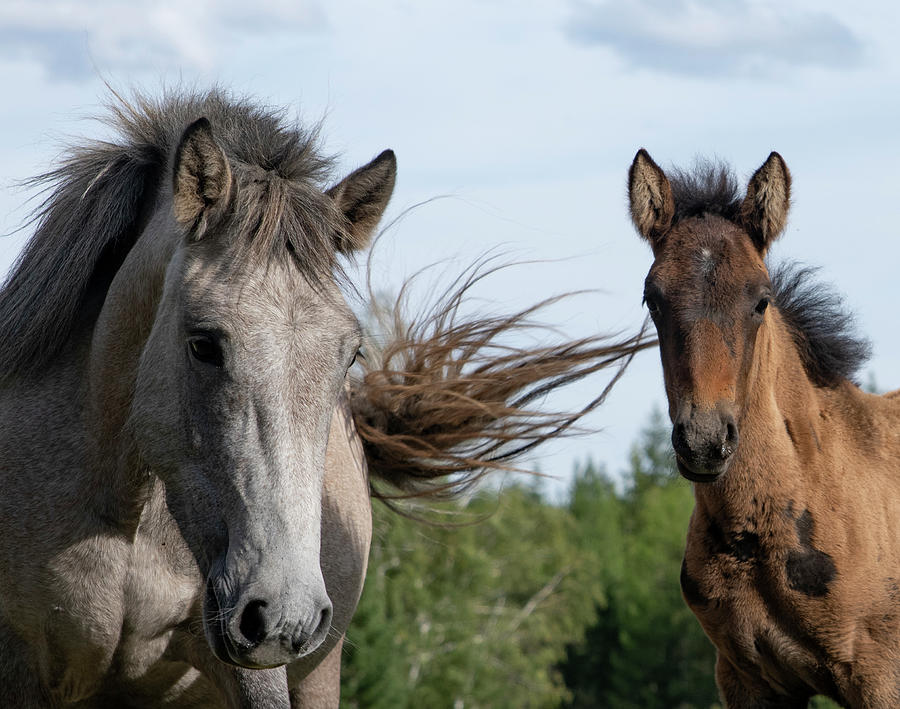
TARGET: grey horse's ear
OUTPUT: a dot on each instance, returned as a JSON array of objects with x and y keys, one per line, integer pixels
[
  {"x": 650, "y": 197},
  {"x": 201, "y": 179},
  {"x": 765, "y": 208},
  {"x": 362, "y": 197}
]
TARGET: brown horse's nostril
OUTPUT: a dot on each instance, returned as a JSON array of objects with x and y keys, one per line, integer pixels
[
  {"x": 679, "y": 440},
  {"x": 253, "y": 625},
  {"x": 731, "y": 439}
]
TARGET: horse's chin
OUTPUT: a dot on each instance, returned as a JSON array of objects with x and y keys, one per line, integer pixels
[{"x": 702, "y": 476}]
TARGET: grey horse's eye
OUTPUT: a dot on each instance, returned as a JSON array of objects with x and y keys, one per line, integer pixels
[{"x": 204, "y": 348}]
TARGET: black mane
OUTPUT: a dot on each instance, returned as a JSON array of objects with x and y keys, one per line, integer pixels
[{"x": 823, "y": 331}]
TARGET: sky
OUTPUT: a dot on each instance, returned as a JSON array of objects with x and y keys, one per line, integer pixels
[{"x": 522, "y": 119}]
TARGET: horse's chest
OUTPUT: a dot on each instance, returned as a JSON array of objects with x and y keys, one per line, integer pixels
[
  {"x": 161, "y": 591},
  {"x": 107, "y": 616},
  {"x": 760, "y": 597},
  {"x": 766, "y": 560},
  {"x": 152, "y": 664},
  {"x": 745, "y": 609}
]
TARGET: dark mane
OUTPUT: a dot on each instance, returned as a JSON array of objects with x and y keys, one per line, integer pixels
[
  {"x": 709, "y": 188},
  {"x": 99, "y": 199},
  {"x": 823, "y": 331}
]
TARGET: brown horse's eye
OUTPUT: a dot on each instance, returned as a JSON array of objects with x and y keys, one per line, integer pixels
[
  {"x": 761, "y": 306},
  {"x": 205, "y": 349},
  {"x": 652, "y": 306}
]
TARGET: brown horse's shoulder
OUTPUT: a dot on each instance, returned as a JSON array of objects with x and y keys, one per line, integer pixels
[{"x": 859, "y": 429}]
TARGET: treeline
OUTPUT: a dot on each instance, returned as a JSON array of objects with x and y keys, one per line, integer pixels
[{"x": 520, "y": 602}]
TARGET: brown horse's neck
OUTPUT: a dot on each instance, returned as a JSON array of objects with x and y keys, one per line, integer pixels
[{"x": 786, "y": 426}]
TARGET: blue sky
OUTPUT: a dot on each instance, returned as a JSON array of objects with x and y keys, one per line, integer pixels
[{"x": 526, "y": 117}]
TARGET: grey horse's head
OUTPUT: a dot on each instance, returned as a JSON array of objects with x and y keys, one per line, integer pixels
[{"x": 238, "y": 381}]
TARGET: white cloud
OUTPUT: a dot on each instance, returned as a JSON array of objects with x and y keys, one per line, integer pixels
[
  {"x": 714, "y": 38},
  {"x": 72, "y": 40}
]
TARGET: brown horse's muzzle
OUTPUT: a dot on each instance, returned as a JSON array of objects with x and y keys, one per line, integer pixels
[{"x": 704, "y": 441}]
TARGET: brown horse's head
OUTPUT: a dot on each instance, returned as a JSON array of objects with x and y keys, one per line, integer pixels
[{"x": 708, "y": 292}]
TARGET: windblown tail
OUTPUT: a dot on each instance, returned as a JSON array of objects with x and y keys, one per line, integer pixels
[{"x": 447, "y": 398}]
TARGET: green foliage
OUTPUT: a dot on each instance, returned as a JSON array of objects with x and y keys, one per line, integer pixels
[
  {"x": 517, "y": 602},
  {"x": 820, "y": 702},
  {"x": 478, "y": 613},
  {"x": 646, "y": 649}
]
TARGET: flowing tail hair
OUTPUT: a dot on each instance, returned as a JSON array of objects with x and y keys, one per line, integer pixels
[{"x": 446, "y": 398}]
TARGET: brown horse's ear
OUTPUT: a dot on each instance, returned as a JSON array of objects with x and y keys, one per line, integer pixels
[
  {"x": 361, "y": 198},
  {"x": 765, "y": 208},
  {"x": 650, "y": 195},
  {"x": 201, "y": 179}
]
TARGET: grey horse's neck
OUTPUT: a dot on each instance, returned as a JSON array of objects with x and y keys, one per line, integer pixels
[{"x": 110, "y": 364}]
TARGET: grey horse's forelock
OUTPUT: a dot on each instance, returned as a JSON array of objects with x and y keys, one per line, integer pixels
[{"x": 99, "y": 199}]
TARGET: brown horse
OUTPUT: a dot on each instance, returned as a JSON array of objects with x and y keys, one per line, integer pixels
[
  {"x": 792, "y": 562},
  {"x": 185, "y": 517}
]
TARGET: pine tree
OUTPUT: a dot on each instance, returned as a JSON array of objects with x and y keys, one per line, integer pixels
[{"x": 645, "y": 649}]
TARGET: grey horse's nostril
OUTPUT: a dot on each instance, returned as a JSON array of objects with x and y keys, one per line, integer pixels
[
  {"x": 302, "y": 639},
  {"x": 253, "y": 622},
  {"x": 324, "y": 621},
  {"x": 299, "y": 642}
]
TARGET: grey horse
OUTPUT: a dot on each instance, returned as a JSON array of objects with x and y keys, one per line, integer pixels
[{"x": 185, "y": 508}]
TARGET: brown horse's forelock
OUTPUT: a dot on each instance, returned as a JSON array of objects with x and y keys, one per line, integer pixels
[
  {"x": 710, "y": 187},
  {"x": 98, "y": 202}
]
